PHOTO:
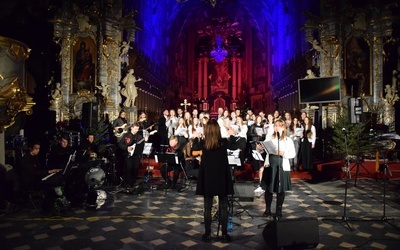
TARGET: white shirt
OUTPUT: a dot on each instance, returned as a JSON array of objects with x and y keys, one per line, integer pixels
[
  {"x": 285, "y": 145},
  {"x": 313, "y": 135}
]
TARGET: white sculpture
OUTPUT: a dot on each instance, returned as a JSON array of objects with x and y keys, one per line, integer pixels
[
  {"x": 104, "y": 87},
  {"x": 56, "y": 94},
  {"x": 124, "y": 49},
  {"x": 83, "y": 22},
  {"x": 310, "y": 74},
  {"x": 123, "y": 56},
  {"x": 129, "y": 90},
  {"x": 316, "y": 46}
]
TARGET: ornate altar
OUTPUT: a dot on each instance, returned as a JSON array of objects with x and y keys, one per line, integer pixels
[
  {"x": 13, "y": 98},
  {"x": 355, "y": 45},
  {"x": 92, "y": 52}
]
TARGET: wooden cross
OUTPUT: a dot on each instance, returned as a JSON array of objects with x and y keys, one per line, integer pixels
[{"x": 185, "y": 104}]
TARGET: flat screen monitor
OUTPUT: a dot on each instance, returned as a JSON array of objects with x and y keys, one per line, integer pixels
[{"x": 319, "y": 90}]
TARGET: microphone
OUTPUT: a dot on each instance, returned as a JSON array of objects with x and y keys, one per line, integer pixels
[{"x": 277, "y": 134}]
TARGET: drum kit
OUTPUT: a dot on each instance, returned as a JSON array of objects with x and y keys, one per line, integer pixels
[{"x": 100, "y": 172}]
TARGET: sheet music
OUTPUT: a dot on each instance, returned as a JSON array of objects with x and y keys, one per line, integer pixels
[
  {"x": 235, "y": 153},
  {"x": 199, "y": 130},
  {"x": 259, "y": 130},
  {"x": 181, "y": 131},
  {"x": 147, "y": 148},
  {"x": 257, "y": 156},
  {"x": 233, "y": 160},
  {"x": 298, "y": 131},
  {"x": 69, "y": 161},
  {"x": 268, "y": 146},
  {"x": 235, "y": 128}
]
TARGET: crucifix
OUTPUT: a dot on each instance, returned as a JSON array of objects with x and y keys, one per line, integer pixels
[{"x": 185, "y": 104}]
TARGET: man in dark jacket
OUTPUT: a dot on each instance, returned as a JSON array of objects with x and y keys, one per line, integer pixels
[{"x": 132, "y": 144}]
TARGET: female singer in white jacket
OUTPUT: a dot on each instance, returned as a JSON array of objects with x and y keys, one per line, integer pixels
[{"x": 276, "y": 175}]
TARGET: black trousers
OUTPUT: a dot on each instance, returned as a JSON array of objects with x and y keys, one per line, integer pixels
[
  {"x": 222, "y": 210},
  {"x": 166, "y": 168},
  {"x": 132, "y": 165}
]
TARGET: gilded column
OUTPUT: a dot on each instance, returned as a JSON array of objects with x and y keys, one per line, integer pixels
[{"x": 376, "y": 63}]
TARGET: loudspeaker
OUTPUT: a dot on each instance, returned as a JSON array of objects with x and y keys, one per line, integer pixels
[
  {"x": 355, "y": 110},
  {"x": 296, "y": 233},
  {"x": 244, "y": 191},
  {"x": 89, "y": 114}
]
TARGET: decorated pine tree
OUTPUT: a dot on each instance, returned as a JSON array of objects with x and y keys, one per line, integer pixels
[
  {"x": 359, "y": 140},
  {"x": 102, "y": 135}
]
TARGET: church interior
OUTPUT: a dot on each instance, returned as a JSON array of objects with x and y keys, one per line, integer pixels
[{"x": 72, "y": 66}]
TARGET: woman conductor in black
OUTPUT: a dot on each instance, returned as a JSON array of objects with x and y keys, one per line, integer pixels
[{"x": 215, "y": 175}]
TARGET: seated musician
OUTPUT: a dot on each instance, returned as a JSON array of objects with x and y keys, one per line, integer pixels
[
  {"x": 176, "y": 168},
  {"x": 89, "y": 145},
  {"x": 59, "y": 154},
  {"x": 32, "y": 173}
]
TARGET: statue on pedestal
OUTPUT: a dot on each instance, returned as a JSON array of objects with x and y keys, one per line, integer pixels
[
  {"x": 56, "y": 94},
  {"x": 129, "y": 89}
]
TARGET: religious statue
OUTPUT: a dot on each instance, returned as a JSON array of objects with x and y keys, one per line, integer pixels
[
  {"x": 56, "y": 94},
  {"x": 310, "y": 74},
  {"x": 83, "y": 22},
  {"x": 104, "y": 87},
  {"x": 123, "y": 56},
  {"x": 391, "y": 91},
  {"x": 129, "y": 89},
  {"x": 316, "y": 46}
]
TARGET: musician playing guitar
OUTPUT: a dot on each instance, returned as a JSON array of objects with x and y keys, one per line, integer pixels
[
  {"x": 120, "y": 123},
  {"x": 132, "y": 144},
  {"x": 175, "y": 148}
]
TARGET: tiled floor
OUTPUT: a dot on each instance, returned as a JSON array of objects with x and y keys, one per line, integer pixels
[{"x": 157, "y": 219}]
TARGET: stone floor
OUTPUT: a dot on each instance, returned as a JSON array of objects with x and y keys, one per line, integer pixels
[{"x": 156, "y": 219}]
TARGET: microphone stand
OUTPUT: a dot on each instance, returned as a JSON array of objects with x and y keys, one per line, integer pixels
[
  {"x": 346, "y": 170},
  {"x": 279, "y": 169},
  {"x": 348, "y": 176}
]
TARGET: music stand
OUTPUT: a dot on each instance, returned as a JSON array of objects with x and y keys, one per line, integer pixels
[
  {"x": 147, "y": 151},
  {"x": 233, "y": 162},
  {"x": 169, "y": 159}
]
